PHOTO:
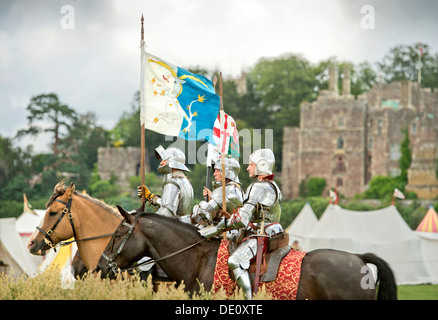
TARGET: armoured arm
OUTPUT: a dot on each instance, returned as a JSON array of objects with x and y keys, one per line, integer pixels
[
  {"x": 169, "y": 200},
  {"x": 205, "y": 211},
  {"x": 208, "y": 211},
  {"x": 238, "y": 220}
]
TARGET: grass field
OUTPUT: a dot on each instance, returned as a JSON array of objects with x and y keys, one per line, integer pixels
[{"x": 418, "y": 292}]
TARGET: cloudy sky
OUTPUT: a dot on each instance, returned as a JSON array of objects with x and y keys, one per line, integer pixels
[{"x": 88, "y": 51}]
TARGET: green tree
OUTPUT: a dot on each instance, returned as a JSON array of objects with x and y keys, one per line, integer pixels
[
  {"x": 312, "y": 187},
  {"x": 380, "y": 187},
  {"x": 56, "y": 116},
  {"x": 277, "y": 86},
  {"x": 401, "y": 63},
  {"x": 362, "y": 76},
  {"x": 13, "y": 161},
  {"x": 316, "y": 186},
  {"x": 406, "y": 157},
  {"x": 80, "y": 146}
]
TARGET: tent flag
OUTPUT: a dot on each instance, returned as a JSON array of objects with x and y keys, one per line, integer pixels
[
  {"x": 398, "y": 194},
  {"x": 333, "y": 196},
  {"x": 228, "y": 144},
  {"x": 176, "y": 102},
  {"x": 27, "y": 207},
  {"x": 429, "y": 222}
]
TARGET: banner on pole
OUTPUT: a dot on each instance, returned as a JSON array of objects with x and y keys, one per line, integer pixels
[{"x": 176, "y": 102}]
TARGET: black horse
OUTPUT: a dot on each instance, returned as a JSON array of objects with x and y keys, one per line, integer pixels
[{"x": 325, "y": 273}]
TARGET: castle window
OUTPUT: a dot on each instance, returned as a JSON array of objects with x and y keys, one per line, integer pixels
[
  {"x": 340, "y": 164},
  {"x": 370, "y": 142},
  {"x": 394, "y": 151},
  {"x": 414, "y": 128},
  {"x": 341, "y": 122},
  {"x": 339, "y": 182},
  {"x": 394, "y": 172},
  {"x": 379, "y": 126},
  {"x": 340, "y": 143}
]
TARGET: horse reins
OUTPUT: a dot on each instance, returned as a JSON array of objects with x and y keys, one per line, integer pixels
[
  {"x": 113, "y": 265},
  {"x": 67, "y": 210}
]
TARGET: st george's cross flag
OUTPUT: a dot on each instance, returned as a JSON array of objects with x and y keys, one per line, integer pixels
[
  {"x": 227, "y": 141},
  {"x": 175, "y": 102}
]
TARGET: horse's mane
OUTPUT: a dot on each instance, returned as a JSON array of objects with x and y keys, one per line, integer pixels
[
  {"x": 60, "y": 189},
  {"x": 170, "y": 220}
]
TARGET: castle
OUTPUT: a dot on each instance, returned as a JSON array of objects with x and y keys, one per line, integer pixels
[
  {"x": 349, "y": 140},
  {"x": 122, "y": 163}
]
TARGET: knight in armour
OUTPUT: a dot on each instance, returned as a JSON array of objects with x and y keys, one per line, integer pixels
[
  {"x": 209, "y": 212},
  {"x": 176, "y": 199},
  {"x": 260, "y": 214}
]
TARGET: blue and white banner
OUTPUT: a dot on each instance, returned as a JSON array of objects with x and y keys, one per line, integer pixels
[{"x": 176, "y": 102}]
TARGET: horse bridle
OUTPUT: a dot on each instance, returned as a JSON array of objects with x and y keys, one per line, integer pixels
[
  {"x": 67, "y": 210},
  {"x": 110, "y": 261}
]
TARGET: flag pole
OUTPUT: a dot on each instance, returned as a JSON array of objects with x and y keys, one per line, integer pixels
[
  {"x": 208, "y": 160},
  {"x": 222, "y": 119},
  {"x": 420, "y": 53},
  {"x": 142, "y": 141}
]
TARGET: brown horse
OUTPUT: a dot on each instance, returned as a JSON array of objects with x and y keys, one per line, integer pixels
[
  {"x": 90, "y": 221},
  {"x": 325, "y": 273}
]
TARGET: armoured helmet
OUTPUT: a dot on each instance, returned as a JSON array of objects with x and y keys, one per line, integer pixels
[
  {"x": 232, "y": 168},
  {"x": 175, "y": 159},
  {"x": 264, "y": 160}
]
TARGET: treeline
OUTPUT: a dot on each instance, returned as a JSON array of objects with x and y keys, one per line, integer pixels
[{"x": 275, "y": 89}]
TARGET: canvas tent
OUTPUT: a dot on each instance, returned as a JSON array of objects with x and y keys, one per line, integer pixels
[
  {"x": 302, "y": 225},
  {"x": 429, "y": 250},
  {"x": 12, "y": 251},
  {"x": 382, "y": 231},
  {"x": 429, "y": 222}
]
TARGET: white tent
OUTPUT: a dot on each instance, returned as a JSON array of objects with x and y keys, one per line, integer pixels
[
  {"x": 28, "y": 221},
  {"x": 12, "y": 251},
  {"x": 429, "y": 249},
  {"x": 382, "y": 232},
  {"x": 302, "y": 225}
]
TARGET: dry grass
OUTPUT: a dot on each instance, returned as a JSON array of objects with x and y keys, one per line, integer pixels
[{"x": 48, "y": 286}]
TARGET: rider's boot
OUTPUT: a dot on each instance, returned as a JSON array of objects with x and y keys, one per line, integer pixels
[{"x": 244, "y": 282}]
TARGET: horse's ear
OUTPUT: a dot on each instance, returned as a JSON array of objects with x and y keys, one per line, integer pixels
[
  {"x": 70, "y": 191},
  {"x": 124, "y": 214}
]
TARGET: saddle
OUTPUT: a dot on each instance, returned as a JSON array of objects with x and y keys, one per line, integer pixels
[
  {"x": 281, "y": 268},
  {"x": 277, "y": 248}
]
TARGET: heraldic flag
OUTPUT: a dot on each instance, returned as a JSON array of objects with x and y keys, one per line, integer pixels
[
  {"x": 227, "y": 141},
  {"x": 176, "y": 102}
]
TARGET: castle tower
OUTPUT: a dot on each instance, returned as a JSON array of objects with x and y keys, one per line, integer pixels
[{"x": 333, "y": 80}]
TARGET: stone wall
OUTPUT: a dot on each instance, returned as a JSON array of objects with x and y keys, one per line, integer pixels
[{"x": 122, "y": 162}]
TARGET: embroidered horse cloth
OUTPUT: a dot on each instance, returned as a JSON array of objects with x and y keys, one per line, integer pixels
[{"x": 285, "y": 286}]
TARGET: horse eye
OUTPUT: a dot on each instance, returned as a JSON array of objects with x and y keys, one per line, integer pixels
[{"x": 53, "y": 213}]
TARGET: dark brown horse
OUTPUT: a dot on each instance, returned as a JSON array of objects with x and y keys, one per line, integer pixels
[{"x": 325, "y": 273}]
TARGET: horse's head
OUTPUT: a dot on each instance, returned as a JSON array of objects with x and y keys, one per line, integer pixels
[
  {"x": 127, "y": 245},
  {"x": 57, "y": 224}
]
